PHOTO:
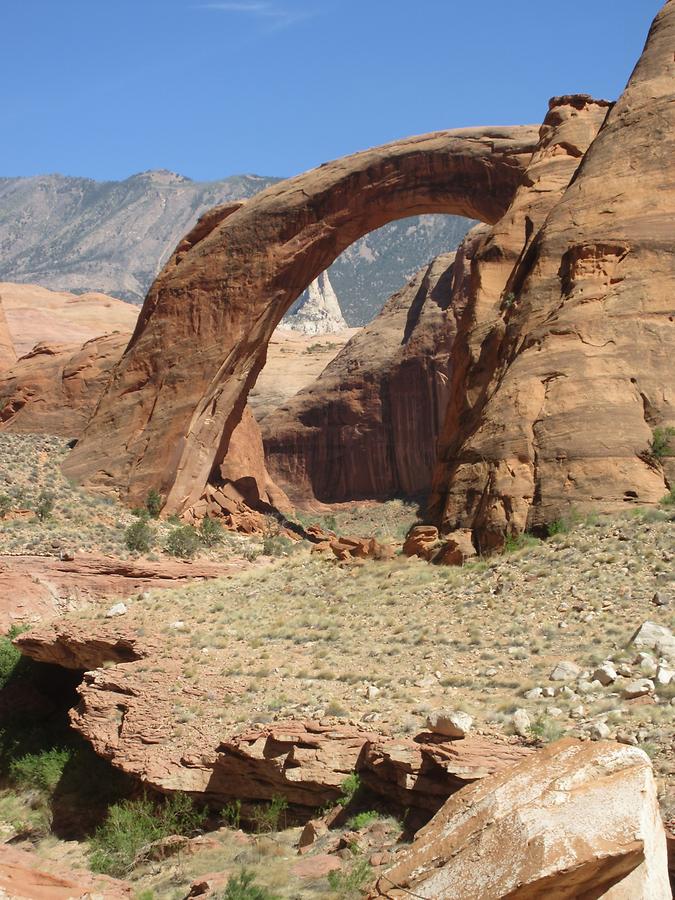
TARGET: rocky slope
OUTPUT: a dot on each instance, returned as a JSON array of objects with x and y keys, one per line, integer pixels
[
  {"x": 76, "y": 234},
  {"x": 7, "y": 351},
  {"x": 317, "y": 311},
  {"x": 367, "y": 427},
  {"x": 560, "y": 413}
]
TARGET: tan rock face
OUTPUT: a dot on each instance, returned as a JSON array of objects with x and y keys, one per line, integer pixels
[
  {"x": 36, "y": 315},
  {"x": 559, "y": 416},
  {"x": 54, "y": 389},
  {"x": 367, "y": 427},
  {"x": 575, "y": 820},
  {"x": 27, "y": 876},
  {"x": 7, "y": 351},
  {"x": 179, "y": 391}
]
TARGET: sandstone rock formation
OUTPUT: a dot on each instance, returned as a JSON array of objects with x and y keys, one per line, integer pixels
[
  {"x": 24, "y": 875},
  {"x": 37, "y": 315},
  {"x": 54, "y": 388},
  {"x": 553, "y": 410},
  {"x": 179, "y": 390},
  {"x": 575, "y": 820},
  {"x": 7, "y": 351},
  {"x": 317, "y": 311},
  {"x": 38, "y": 588},
  {"x": 368, "y": 426}
]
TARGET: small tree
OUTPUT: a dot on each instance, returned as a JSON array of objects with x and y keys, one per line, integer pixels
[
  {"x": 5, "y": 505},
  {"x": 45, "y": 505},
  {"x": 154, "y": 503},
  {"x": 183, "y": 542},
  {"x": 210, "y": 532},
  {"x": 663, "y": 442},
  {"x": 139, "y": 537}
]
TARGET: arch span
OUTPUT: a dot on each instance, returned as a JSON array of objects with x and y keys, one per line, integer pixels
[{"x": 180, "y": 389}]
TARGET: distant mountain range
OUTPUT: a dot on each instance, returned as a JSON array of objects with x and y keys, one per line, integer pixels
[{"x": 77, "y": 234}]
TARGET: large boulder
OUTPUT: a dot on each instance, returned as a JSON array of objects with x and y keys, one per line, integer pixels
[{"x": 576, "y": 820}]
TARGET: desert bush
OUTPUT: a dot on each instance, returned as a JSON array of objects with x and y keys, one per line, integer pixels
[
  {"x": 348, "y": 883},
  {"x": 231, "y": 814},
  {"x": 9, "y": 655},
  {"x": 662, "y": 443},
  {"x": 182, "y": 542},
  {"x": 139, "y": 537},
  {"x": 546, "y": 730},
  {"x": 5, "y": 505},
  {"x": 267, "y": 818},
  {"x": 153, "y": 503},
  {"x": 242, "y": 887},
  {"x": 276, "y": 545},
  {"x": 42, "y": 770},
  {"x": 523, "y": 541},
  {"x": 669, "y": 499},
  {"x": 133, "y": 825},
  {"x": 360, "y": 820},
  {"x": 210, "y": 532},
  {"x": 45, "y": 505},
  {"x": 349, "y": 789}
]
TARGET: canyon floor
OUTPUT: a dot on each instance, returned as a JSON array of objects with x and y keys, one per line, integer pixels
[{"x": 279, "y": 632}]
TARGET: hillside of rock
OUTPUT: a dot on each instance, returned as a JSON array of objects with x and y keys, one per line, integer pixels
[
  {"x": 317, "y": 311},
  {"x": 560, "y": 414}
]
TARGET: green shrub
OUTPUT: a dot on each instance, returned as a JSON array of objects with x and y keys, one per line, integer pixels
[
  {"x": 139, "y": 537},
  {"x": 242, "y": 887},
  {"x": 349, "y": 789},
  {"x": 669, "y": 499},
  {"x": 515, "y": 542},
  {"x": 210, "y": 532},
  {"x": 546, "y": 730},
  {"x": 276, "y": 545},
  {"x": 268, "y": 818},
  {"x": 154, "y": 503},
  {"x": 9, "y": 655},
  {"x": 182, "y": 542},
  {"x": 360, "y": 820},
  {"x": 662, "y": 443},
  {"x": 133, "y": 825},
  {"x": 231, "y": 814},
  {"x": 5, "y": 505},
  {"x": 350, "y": 882},
  {"x": 42, "y": 770},
  {"x": 45, "y": 505}
]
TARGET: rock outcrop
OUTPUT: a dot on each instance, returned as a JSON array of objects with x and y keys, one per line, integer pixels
[
  {"x": 575, "y": 820},
  {"x": 553, "y": 409},
  {"x": 317, "y": 311},
  {"x": 54, "y": 389},
  {"x": 25, "y": 875},
  {"x": 36, "y": 315},
  {"x": 368, "y": 426},
  {"x": 179, "y": 391}
]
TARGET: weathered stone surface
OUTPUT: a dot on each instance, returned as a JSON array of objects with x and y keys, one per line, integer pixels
[
  {"x": 55, "y": 388},
  {"x": 35, "y": 588},
  {"x": 658, "y": 638},
  {"x": 317, "y": 311},
  {"x": 7, "y": 351},
  {"x": 420, "y": 774},
  {"x": 75, "y": 647},
  {"x": 587, "y": 336},
  {"x": 449, "y": 723},
  {"x": 422, "y": 541},
  {"x": 180, "y": 388},
  {"x": 575, "y": 820},
  {"x": 27, "y": 876},
  {"x": 368, "y": 426}
]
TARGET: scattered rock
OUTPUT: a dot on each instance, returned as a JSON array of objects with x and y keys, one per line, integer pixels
[
  {"x": 599, "y": 731},
  {"x": 450, "y": 723},
  {"x": 119, "y": 609},
  {"x": 606, "y": 674},
  {"x": 521, "y": 723},
  {"x": 657, "y": 638},
  {"x": 565, "y": 671},
  {"x": 638, "y": 688}
]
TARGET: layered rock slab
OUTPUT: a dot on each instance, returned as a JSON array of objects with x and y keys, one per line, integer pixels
[
  {"x": 577, "y": 820},
  {"x": 587, "y": 340},
  {"x": 179, "y": 390}
]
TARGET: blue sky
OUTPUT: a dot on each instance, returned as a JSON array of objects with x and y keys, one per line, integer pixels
[{"x": 107, "y": 88}]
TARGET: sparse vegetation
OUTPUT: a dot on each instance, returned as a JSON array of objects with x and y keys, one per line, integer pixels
[
  {"x": 268, "y": 816},
  {"x": 183, "y": 542},
  {"x": 154, "y": 503},
  {"x": 243, "y": 887},
  {"x": 663, "y": 442},
  {"x": 131, "y": 826},
  {"x": 139, "y": 537},
  {"x": 349, "y": 883},
  {"x": 44, "y": 506}
]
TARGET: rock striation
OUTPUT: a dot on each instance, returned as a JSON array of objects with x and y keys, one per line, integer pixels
[
  {"x": 586, "y": 340},
  {"x": 575, "y": 820},
  {"x": 368, "y": 426},
  {"x": 317, "y": 311},
  {"x": 179, "y": 391}
]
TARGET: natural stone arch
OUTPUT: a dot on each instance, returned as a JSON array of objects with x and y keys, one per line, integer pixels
[{"x": 180, "y": 389}]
